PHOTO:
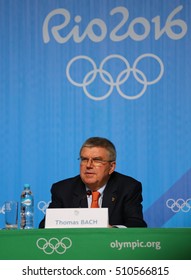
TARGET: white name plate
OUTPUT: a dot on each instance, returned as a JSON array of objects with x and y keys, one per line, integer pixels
[{"x": 76, "y": 218}]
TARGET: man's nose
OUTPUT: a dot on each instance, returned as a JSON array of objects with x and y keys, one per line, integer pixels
[{"x": 89, "y": 162}]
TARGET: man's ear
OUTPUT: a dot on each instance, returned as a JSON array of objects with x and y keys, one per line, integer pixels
[{"x": 112, "y": 167}]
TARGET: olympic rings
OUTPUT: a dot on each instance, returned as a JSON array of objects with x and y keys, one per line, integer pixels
[
  {"x": 42, "y": 206},
  {"x": 107, "y": 78},
  {"x": 179, "y": 205},
  {"x": 54, "y": 245}
]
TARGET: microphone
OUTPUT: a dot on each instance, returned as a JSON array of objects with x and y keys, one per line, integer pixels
[
  {"x": 88, "y": 193},
  {"x": 84, "y": 197}
]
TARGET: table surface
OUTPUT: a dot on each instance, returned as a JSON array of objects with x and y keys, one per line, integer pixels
[{"x": 96, "y": 244}]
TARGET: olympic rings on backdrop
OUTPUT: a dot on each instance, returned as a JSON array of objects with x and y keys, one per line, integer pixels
[
  {"x": 42, "y": 206},
  {"x": 109, "y": 80},
  {"x": 179, "y": 205}
]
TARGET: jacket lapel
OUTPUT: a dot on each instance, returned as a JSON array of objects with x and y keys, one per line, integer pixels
[
  {"x": 79, "y": 196},
  {"x": 110, "y": 195}
]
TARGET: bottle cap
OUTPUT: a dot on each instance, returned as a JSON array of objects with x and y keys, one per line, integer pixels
[{"x": 26, "y": 186}]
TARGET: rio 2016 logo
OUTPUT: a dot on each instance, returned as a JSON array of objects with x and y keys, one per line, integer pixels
[
  {"x": 63, "y": 27},
  {"x": 79, "y": 35}
]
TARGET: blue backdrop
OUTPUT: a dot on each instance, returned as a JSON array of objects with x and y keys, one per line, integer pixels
[{"x": 72, "y": 69}]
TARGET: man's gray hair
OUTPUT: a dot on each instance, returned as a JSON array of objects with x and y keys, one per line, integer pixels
[{"x": 103, "y": 143}]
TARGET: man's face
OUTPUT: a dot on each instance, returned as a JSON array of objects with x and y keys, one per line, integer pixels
[{"x": 95, "y": 167}]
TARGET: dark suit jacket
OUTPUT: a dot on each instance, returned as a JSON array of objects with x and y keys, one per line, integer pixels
[{"x": 122, "y": 196}]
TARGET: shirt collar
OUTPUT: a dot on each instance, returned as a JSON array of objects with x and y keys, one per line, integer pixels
[{"x": 101, "y": 190}]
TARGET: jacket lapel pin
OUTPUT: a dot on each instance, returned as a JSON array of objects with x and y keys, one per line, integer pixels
[{"x": 113, "y": 199}]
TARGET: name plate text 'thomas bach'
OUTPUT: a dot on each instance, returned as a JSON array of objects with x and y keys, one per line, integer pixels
[{"x": 76, "y": 218}]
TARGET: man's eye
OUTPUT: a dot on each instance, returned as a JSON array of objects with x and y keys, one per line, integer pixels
[
  {"x": 97, "y": 159},
  {"x": 84, "y": 159}
]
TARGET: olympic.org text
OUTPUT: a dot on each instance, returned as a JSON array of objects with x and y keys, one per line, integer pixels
[{"x": 135, "y": 244}]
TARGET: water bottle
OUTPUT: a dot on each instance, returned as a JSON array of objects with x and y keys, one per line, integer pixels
[{"x": 27, "y": 208}]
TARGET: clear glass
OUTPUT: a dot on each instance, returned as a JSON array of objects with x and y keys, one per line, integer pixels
[{"x": 11, "y": 214}]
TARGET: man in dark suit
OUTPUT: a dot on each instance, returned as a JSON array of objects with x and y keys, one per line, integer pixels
[{"x": 121, "y": 194}]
